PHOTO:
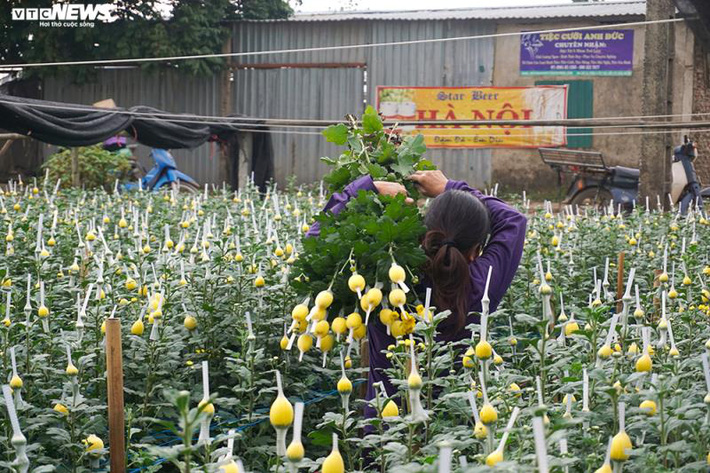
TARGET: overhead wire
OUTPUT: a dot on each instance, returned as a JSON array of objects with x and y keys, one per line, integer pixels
[
  {"x": 293, "y": 123},
  {"x": 97, "y": 62},
  {"x": 618, "y": 133},
  {"x": 91, "y": 108},
  {"x": 659, "y": 125},
  {"x": 299, "y": 123},
  {"x": 267, "y": 128}
]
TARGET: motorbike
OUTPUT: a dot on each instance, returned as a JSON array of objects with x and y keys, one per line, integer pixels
[
  {"x": 164, "y": 172},
  {"x": 595, "y": 184},
  {"x": 685, "y": 186}
]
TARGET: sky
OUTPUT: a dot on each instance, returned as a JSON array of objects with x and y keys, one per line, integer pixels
[{"x": 380, "y": 5}]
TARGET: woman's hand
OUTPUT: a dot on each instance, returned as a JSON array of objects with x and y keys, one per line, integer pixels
[
  {"x": 430, "y": 183},
  {"x": 391, "y": 189}
]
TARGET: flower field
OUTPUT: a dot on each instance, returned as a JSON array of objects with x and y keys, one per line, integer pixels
[{"x": 566, "y": 376}]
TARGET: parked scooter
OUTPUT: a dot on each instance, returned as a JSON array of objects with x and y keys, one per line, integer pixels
[
  {"x": 596, "y": 184},
  {"x": 685, "y": 187},
  {"x": 163, "y": 173}
]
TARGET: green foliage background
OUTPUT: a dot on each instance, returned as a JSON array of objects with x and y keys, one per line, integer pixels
[
  {"x": 195, "y": 27},
  {"x": 97, "y": 167}
]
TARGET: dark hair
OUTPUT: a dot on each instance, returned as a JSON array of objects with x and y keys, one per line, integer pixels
[{"x": 457, "y": 223}]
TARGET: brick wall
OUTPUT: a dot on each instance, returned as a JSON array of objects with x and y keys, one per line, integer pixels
[{"x": 701, "y": 104}]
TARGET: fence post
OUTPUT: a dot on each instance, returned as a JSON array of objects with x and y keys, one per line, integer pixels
[{"x": 114, "y": 375}]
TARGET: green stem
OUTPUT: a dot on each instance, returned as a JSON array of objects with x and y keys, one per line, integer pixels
[
  {"x": 430, "y": 373},
  {"x": 149, "y": 379},
  {"x": 252, "y": 398},
  {"x": 662, "y": 417},
  {"x": 542, "y": 361},
  {"x": 187, "y": 441},
  {"x": 410, "y": 440}
]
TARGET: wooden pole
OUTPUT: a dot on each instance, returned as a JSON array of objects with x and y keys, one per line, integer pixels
[
  {"x": 619, "y": 281},
  {"x": 75, "y": 179},
  {"x": 114, "y": 375}
]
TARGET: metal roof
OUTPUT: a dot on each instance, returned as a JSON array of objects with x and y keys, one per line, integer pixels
[
  {"x": 697, "y": 16},
  {"x": 538, "y": 12}
]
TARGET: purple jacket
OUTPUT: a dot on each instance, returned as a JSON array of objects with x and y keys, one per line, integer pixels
[
  {"x": 503, "y": 253},
  {"x": 339, "y": 200}
]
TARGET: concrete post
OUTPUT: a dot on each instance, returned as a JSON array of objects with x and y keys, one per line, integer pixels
[
  {"x": 246, "y": 144},
  {"x": 655, "y": 148},
  {"x": 225, "y": 106}
]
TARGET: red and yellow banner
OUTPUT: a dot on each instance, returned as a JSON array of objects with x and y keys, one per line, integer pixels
[{"x": 478, "y": 103}]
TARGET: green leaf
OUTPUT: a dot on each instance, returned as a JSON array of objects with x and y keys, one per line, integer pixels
[
  {"x": 526, "y": 319},
  {"x": 371, "y": 122},
  {"x": 356, "y": 145},
  {"x": 425, "y": 165},
  {"x": 338, "y": 178},
  {"x": 337, "y": 134},
  {"x": 405, "y": 164},
  {"x": 320, "y": 437},
  {"x": 385, "y": 153},
  {"x": 412, "y": 145},
  {"x": 376, "y": 171}
]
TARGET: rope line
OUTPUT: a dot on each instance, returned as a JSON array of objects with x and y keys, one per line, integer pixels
[
  {"x": 332, "y": 48},
  {"x": 272, "y": 121},
  {"x": 186, "y": 118},
  {"x": 617, "y": 133}
]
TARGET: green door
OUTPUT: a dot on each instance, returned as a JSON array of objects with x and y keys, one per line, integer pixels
[{"x": 580, "y": 104}]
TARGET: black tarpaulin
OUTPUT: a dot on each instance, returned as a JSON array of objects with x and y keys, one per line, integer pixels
[
  {"x": 66, "y": 124},
  {"x": 263, "y": 169},
  {"x": 169, "y": 133},
  {"x": 59, "y": 123}
]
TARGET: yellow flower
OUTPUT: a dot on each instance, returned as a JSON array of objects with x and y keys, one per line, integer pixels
[
  {"x": 390, "y": 410},
  {"x": 484, "y": 350},
  {"x": 488, "y": 414},
  {"x": 93, "y": 443}
]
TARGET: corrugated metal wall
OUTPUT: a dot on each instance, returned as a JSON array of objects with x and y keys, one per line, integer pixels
[
  {"x": 459, "y": 63},
  {"x": 166, "y": 90},
  {"x": 277, "y": 35},
  {"x": 309, "y": 92}
]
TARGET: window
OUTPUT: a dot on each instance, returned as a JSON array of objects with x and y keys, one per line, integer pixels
[{"x": 580, "y": 104}]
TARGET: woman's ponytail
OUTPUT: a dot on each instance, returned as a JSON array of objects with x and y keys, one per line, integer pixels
[
  {"x": 448, "y": 268},
  {"x": 458, "y": 223}
]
